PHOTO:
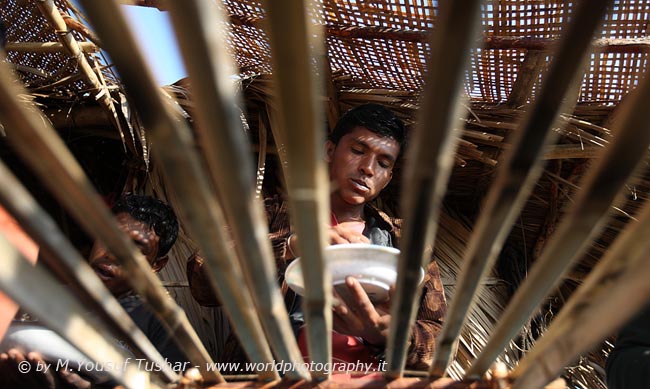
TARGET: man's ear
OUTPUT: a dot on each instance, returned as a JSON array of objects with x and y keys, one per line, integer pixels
[
  {"x": 329, "y": 151},
  {"x": 159, "y": 263}
]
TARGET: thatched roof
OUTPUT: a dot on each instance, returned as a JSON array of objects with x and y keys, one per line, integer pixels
[{"x": 377, "y": 52}]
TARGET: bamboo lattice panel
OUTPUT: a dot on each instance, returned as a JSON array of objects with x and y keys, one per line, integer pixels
[
  {"x": 25, "y": 23},
  {"x": 384, "y": 43}
]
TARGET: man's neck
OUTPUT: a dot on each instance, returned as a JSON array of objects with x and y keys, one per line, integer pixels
[{"x": 345, "y": 212}]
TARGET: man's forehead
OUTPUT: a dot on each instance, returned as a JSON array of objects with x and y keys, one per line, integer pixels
[
  {"x": 126, "y": 221},
  {"x": 367, "y": 138}
]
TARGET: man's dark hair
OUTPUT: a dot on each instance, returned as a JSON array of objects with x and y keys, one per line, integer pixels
[
  {"x": 155, "y": 214},
  {"x": 376, "y": 118}
]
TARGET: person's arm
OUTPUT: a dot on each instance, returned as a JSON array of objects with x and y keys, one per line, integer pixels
[
  {"x": 428, "y": 323},
  {"x": 279, "y": 230},
  {"x": 277, "y": 214},
  {"x": 13, "y": 232}
]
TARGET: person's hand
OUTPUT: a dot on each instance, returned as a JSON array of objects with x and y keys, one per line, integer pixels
[
  {"x": 20, "y": 371},
  {"x": 347, "y": 232},
  {"x": 355, "y": 314}
]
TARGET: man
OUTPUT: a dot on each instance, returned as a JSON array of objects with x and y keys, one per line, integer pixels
[
  {"x": 361, "y": 153},
  {"x": 153, "y": 227}
]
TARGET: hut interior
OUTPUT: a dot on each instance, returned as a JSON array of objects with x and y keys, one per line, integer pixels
[{"x": 536, "y": 150}]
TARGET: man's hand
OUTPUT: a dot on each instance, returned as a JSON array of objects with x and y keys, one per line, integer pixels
[
  {"x": 357, "y": 316},
  {"x": 347, "y": 232},
  {"x": 20, "y": 371}
]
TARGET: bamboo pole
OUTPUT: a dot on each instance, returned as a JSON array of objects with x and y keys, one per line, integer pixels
[
  {"x": 31, "y": 70},
  {"x": 176, "y": 153},
  {"x": 230, "y": 166},
  {"x": 527, "y": 76},
  {"x": 297, "y": 62},
  {"x": 41, "y": 148},
  {"x": 429, "y": 163},
  {"x": 582, "y": 222},
  {"x": 55, "y": 20},
  {"x": 49, "y": 47},
  {"x": 618, "y": 283},
  {"x": 520, "y": 171},
  {"x": 572, "y": 151},
  {"x": 60, "y": 310},
  {"x": 263, "y": 151},
  {"x": 65, "y": 258}
]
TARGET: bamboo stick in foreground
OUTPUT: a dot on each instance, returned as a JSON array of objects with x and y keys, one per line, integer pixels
[
  {"x": 175, "y": 150},
  {"x": 518, "y": 174},
  {"x": 46, "y": 233},
  {"x": 201, "y": 32},
  {"x": 429, "y": 163},
  {"x": 56, "y": 306},
  {"x": 612, "y": 293},
  {"x": 582, "y": 222},
  {"x": 42, "y": 149},
  {"x": 295, "y": 58}
]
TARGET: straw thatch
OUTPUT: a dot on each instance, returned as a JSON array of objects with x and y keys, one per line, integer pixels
[{"x": 376, "y": 52}]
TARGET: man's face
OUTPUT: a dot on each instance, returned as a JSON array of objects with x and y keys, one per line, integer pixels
[
  {"x": 108, "y": 268},
  {"x": 361, "y": 165}
]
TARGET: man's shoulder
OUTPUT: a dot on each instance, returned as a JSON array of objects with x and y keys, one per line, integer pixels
[{"x": 389, "y": 222}]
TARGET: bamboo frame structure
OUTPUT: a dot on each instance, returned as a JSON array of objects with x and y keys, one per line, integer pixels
[
  {"x": 518, "y": 173},
  {"x": 304, "y": 134},
  {"x": 72, "y": 267},
  {"x": 619, "y": 283},
  {"x": 64, "y": 314},
  {"x": 230, "y": 228},
  {"x": 428, "y": 170},
  {"x": 199, "y": 208},
  {"x": 230, "y": 167},
  {"x": 606, "y": 45},
  {"x": 42, "y": 149},
  {"x": 583, "y": 221}
]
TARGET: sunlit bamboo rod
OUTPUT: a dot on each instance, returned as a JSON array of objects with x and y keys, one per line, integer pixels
[
  {"x": 429, "y": 163},
  {"x": 43, "y": 150},
  {"x": 174, "y": 149},
  {"x": 201, "y": 32},
  {"x": 42, "y": 295},
  {"x": 296, "y": 57},
  {"x": 582, "y": 222},
  {"x": 54, "y": 18},
  {"x": 65, "y": 257},
  {"x": 262, "y": 150},
  {"x": 48, "y": 47},
  {"x": 518, "y": 174},
  {"x": 615, "y": 289},
  {"x": 67, "y": 39}
]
